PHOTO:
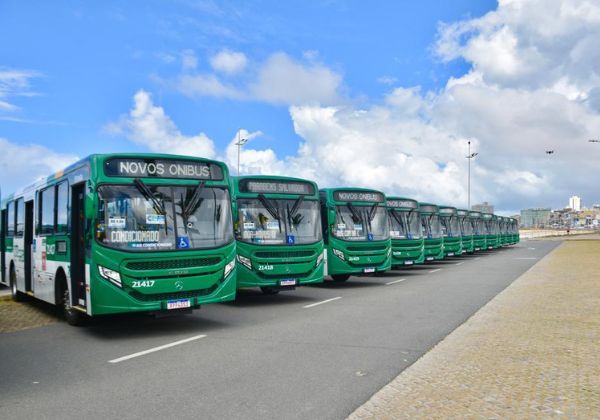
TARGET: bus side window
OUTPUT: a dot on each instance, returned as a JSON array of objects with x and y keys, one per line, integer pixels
[
  {"x": 62, "y": 207},
  {"x": 20, "y": 222},
  {"x": 46, "y": 211},
  {"x": 10, "y": 220}
]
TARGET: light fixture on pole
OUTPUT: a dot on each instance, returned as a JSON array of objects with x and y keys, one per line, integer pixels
[
  {"x": 240, "y": 142},
  {"x": 469, "y": 157}
]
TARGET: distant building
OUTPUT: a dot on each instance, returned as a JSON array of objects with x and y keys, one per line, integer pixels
[
  {"x": 535, "y": 218},
  {"x": 484, "y": 207},
  {"x": 575, "y": 203}
]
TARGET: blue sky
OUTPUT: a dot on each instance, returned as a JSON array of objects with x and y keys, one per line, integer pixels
[
  {"x": 93, "y": 56},
  {"x": 342, "y": 92}
]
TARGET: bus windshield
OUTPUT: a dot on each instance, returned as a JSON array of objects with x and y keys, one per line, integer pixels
[
  {"x": 150, "y": 218},
  {"x": 404, "y": 224},
  {"x": 466, "y": 228},
  {"x": 266, "y": 221},
  {"x": 431, "y": 225},
  {"x": 358, "y": 223},
  {"x": 450, "y": 227}
]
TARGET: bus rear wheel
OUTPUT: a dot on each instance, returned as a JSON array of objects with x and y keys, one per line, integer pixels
[
  {"x": 340, "y": 277},
  {"x": 70, "y": 314},
  {"x": 14, "y": 293},
  {"x": 267, "y": 290}
]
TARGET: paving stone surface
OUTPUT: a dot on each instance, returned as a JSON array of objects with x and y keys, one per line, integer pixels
[
  {"x": 16, "y": 316},
  {"x": 532, "y": 352}
]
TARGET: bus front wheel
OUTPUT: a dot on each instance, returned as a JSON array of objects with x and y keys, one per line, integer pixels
[
  {"x": 14, "y": 293},
  {"x": 340, "y": 277},
  {"x": 71, "y": 315},
  {"x": 269, "y": 290}
]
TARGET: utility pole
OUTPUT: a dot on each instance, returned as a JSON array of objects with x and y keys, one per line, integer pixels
[
  {"x": 469, "y": 157},
  {"x": 240, "y": 142}
]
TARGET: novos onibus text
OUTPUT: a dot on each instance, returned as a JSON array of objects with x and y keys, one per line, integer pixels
[
  {"x": 122, "y": 233},
  {"x": 278, "y": 230}
]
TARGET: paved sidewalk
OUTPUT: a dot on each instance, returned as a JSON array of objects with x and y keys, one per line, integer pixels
[{"x": 532, "y": 352}]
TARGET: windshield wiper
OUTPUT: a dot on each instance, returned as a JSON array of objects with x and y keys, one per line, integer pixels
[
  {"x": 271, "y": 209},
  {"x": 398, "y": 219},
  {"x": 355, "y": 214},
  {"x": 293, "y": 218},
  {"x": 157, "y": 205},
  {"x": 194, "y": 202}
]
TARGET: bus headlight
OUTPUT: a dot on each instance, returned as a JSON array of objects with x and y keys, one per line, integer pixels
[
  {"x": 228, "y": 268},
  {"x": 245, "y": 261},
  {"x": 320, "y": 258},
  {"x": 339, "y": 254},
  {"x": 111, "y": 275}
]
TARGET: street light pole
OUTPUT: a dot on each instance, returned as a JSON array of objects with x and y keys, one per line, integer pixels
[
  {"x": 469, "y": 157},
  {"x": 240, "y": 142}
]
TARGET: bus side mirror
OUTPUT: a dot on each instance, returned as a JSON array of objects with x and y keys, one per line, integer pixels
[{"x": 331, "y": 214}]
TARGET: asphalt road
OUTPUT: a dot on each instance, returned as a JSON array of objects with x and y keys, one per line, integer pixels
[{"x": 262, "y": 357}]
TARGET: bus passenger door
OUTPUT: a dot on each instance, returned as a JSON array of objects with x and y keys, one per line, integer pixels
[
  {"x": 3, "y": 220},
  {"x": 28, "y": 244},
  {"x": 78, "y": 294}
]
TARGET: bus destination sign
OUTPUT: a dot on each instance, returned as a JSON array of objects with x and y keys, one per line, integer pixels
[
  {"x": 276, "y": 187},
  {"x": 462, "y": 212},
  {"x": 428, "y": 209},
  {"x": 447, "y": 210},
  {"x": 162, "y": 168},
  {"x": 401, "y": 204},
  {"x": 368, "y": 196}
]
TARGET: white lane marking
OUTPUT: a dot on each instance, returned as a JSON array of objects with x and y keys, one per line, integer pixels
[
  {"x": 152, "y": 350},
  {"x": 322, "y": 302},
  {"x": 531, "y": 249},
  {"x": 394, "y": 282},
  {"x": 460, "y": 263},
  {"x": 526, "y": 258},
  {"x": 436, "y": 270}
]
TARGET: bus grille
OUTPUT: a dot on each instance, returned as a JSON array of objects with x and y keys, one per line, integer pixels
[
  {"x": 284, "y": 254},
  {"x": 364, "y": 249},
  {"x": 172, "y": 264},
  {"x": 172, "y": 296}
]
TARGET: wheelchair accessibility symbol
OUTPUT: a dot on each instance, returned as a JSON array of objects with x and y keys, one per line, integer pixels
[
  {"x": 291, "y": 239},
  {"x": 183, "y": 242}
]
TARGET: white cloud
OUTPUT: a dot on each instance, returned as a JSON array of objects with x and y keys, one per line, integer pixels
[
  {"x": 206, "y": 85},
  {"x": 21, "y": 165},
  {"x": 230, "y": 62},
  {"x": 189, "y": 61},
  {"x": 285, "y": 81},
  {"x": 14, "y": 83},
  {"x": 148, "y": 125}
]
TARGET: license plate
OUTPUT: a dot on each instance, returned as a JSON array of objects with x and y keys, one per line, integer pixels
[
  {"x": 178, "y": 304},
  {"x": 287, "y": 282},
  {"x": 369, "y": 270},
  {"x": 429, "y": 258},
  {"x": 408, "y": 262},
  {"x": 451, "y": 254},
  {"x": 477, "y": 249}
]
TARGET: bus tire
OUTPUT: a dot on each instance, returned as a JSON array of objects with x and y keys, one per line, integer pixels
[
  {"x": 14, "y": 293},
  {"x": 340, "y": 277},
  {"x": 267, "y": 290},
  {"x": 63, "y": 300}
]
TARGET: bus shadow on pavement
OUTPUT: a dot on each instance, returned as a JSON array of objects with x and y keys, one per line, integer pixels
[
  {"x": 116, "y": 327},
  {"x": 246, "y": 298},
  {"x": 351, "y": 283}
]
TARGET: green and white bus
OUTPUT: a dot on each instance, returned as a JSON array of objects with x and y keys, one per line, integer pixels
[
  {"x": 452, "y": 244},
  {"x": 355, "y": 231},
  {"x": 491, "y": 230},
  {"x": 514, "y": 231},
  {"x": 406, "y": 231},
  {"x": 503, "y": 230},
  {"x": 277, "y": 223},
  {"x": 122, "y": 233},
  {"x": 479, "y": 231},
  {"x": 432, "y": 231},
  {"x": 466, "y": 231}
]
